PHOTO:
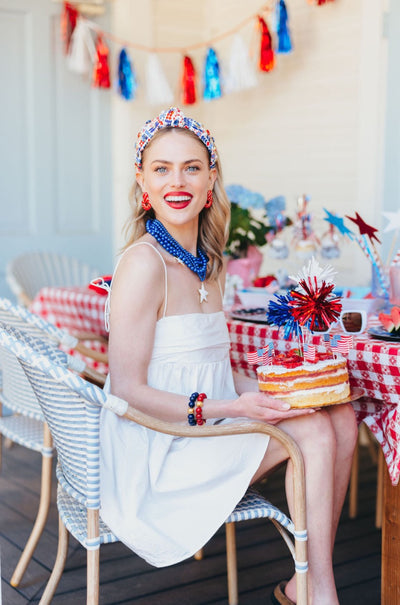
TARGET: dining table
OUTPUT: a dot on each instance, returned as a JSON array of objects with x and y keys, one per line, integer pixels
[{"x": 373, "y": 364}]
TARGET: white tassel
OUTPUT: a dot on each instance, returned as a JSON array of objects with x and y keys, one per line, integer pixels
[
  {"x": 82, "y": 50},
  {"x": 158, "y": 89},
  {"x": 241, "y": 71}
]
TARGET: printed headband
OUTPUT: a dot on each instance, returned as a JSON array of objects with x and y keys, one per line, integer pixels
[{"x": 175, "y": 118}]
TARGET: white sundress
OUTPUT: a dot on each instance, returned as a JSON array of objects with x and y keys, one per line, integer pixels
[{"x": 164, "y": 496}]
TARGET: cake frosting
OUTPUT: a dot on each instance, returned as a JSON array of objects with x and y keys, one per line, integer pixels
[{"x": 305, "y": 383}]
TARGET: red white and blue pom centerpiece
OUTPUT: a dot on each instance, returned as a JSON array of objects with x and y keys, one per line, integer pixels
[{"x": 310, "y": 306}]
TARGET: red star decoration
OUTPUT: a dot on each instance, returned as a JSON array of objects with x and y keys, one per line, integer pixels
[{"x": 364, "y": 228}]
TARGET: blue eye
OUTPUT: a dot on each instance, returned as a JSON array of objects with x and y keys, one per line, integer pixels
[
  {"x": 193, "y": 168},
  {"x": 161, "y": 169}
]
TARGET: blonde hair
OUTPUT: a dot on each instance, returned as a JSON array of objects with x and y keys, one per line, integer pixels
[{"x": 213, "y": 222}]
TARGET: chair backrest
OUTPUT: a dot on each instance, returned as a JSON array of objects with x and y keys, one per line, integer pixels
[
  {"x": 71, "y": 407},
  {"x": 19, "y": 317},
  {"x": 28, "y": 273},
  {"x": 17, "y": 393}
]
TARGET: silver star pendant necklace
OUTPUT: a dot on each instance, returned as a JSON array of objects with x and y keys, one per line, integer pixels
[{"x": 202, "y": 291}]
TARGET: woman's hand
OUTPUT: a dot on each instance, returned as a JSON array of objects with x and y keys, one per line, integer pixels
[{"x": 259, "y": 406}]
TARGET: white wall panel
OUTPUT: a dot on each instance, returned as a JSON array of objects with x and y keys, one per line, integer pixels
[{"x": 16, "y": 193}]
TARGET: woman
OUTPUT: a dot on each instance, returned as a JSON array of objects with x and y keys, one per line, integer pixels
[{"x": 169, "y": 347}]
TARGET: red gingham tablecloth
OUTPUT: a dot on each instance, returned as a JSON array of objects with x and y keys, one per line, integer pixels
[
  {"x": 374, "y": 365},
  {"x": 77, "y": 310}
]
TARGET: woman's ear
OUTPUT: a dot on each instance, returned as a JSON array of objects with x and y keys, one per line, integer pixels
[
  {"x": 139, "y": 180},
  {"x": 212, "y": 177}
]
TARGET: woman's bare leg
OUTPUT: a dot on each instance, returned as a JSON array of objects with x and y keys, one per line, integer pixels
[
  {"x": 316, "y": 436},
  {"x": 346, "y": 431}
]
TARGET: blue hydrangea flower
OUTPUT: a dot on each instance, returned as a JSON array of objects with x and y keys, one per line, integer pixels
[{"x": 244, "y": 197}]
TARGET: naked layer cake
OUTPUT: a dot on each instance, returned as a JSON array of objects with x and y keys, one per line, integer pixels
[{"x": 303, "y": 383}]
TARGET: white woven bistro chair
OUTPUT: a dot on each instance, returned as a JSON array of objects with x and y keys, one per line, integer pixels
[
  {"x": 25, "y": 424},
  {"x": 27, "y": 273},
  {"x": 72, "y": 409}
]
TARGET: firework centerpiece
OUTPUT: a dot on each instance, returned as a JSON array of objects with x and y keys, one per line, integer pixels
[{"x": 303, "y": 376}]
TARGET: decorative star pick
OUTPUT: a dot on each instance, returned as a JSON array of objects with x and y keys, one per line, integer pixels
[
  {"x": 203, "y": 293},
  {"x": 338, "y": 222},
  {"x": 364, "y": 228}
]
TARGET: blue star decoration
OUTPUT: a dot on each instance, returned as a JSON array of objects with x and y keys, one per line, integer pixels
[{"x": 338, "y": 222}]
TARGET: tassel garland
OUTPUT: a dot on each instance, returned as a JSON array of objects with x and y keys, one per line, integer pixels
[
  {"x": 241, "y": 72},
  {"x": 68, "y": 23},
  {"x": 101, "y": 72},
  {"x": 267, "y": 59},
  {"x": 158, "y": 89},
  {"x": 284, "y": 42},
  {"x": 82, "y": 53},
  {"x": 188, "y": 82},
  {"x": 212, "y": 84},
  {"x": 78, "y": 44},
  {"x": 126, "y": 77}
]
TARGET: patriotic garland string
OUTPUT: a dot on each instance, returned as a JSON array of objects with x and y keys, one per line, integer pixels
[{"x": 84, "y": 54}]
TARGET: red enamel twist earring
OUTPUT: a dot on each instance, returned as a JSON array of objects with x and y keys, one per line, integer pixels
[
  {"x": 145, "y": 201},
  {"x": 209, "y": 199}
]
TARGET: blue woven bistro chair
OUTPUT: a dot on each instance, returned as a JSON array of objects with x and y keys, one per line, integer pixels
[
  {"x": 24, "y": 424},
  {"x": 72, "y": 408}
]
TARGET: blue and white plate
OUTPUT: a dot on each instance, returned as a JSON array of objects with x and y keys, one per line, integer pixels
[{"x": 382, "y": 334}]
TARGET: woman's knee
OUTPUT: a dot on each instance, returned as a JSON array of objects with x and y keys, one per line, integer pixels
[
  {"x": 345, "y": 425},
  {"x": 314, "y": 433}
]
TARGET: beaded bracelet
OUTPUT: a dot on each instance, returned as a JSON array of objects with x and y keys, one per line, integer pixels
[{"x": 195, "y": 411}]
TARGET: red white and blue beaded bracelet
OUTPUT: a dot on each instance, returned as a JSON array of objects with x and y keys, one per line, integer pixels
[{"x": 195, "y": 411}]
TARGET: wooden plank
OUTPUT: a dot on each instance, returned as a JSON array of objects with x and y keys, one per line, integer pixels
[{"x": 390, "y": 590}]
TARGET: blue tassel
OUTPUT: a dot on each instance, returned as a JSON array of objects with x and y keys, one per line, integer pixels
[
  {"x": 212, "y": 84},
  {"x": 284, "y": 42},
  {"x": 126, "y": 76}
]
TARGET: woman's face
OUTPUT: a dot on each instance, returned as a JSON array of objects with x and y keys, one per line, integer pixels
[{"x": 176, "y": 175}]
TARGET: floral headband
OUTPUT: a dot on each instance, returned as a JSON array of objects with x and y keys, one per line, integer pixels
[{"x": 175, "y": 118}]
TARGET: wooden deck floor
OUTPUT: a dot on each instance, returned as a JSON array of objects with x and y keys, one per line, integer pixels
[{"x": 262, "y": 556}]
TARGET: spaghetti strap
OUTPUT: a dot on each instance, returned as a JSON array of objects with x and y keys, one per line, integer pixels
[
  {"x": 165, "y": 271},
  {"x": 107, "y": 306}
]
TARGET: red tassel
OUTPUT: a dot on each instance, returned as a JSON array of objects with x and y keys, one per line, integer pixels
[
  {"x": 267, "y": 59},
  {"x": 101, "y": 72},
  {"x": 188, "y": 82},
  {"x": 69, "y": 18}
]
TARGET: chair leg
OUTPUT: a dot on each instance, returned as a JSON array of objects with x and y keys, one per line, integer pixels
[
  {"x": 231, "y": 561},
  {"x": 51, "y": 586},
  {"x": 353, "y": 489},
  {"x": 93, "y": 576},
  {"x": 42, "y": 514},
  {"x": 93, "y": 558}
]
